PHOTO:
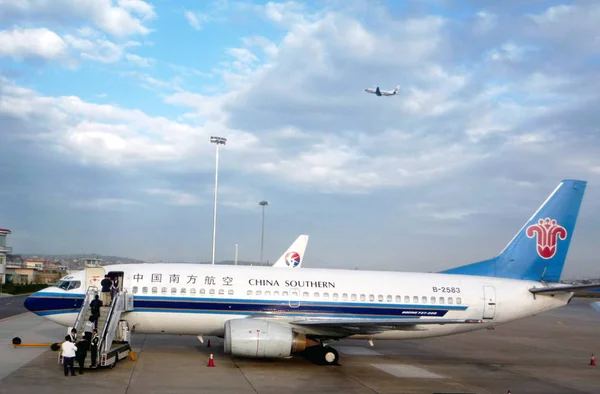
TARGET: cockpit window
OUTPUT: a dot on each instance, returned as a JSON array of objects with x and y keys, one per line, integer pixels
[{"x": 68, "y": 284}]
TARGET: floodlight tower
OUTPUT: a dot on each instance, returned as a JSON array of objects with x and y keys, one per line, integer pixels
[
  {"x": 218, "y": 141},
  {"x": 262, "y": 237}
]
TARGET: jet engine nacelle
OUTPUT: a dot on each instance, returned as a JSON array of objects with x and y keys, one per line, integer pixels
[{"x": 261, "y": 339}]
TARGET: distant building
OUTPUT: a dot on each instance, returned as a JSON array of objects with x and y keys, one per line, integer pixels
[{"x": 4, "y": 250}]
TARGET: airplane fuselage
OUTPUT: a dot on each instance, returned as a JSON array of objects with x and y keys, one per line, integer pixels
[{"x": 196, "y": 299}]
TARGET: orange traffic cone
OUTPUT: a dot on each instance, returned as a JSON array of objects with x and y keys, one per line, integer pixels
[
  {"x": 211, "y": 361},
  {"x": 593, "y": 360},
  {"x": 208, "y": 345}
]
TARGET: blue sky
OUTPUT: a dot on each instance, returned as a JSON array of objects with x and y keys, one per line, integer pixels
[{"x": 106, "y": 109}]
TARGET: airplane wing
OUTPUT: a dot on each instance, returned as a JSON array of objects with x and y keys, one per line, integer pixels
[
  {"x": 562, "y": 289},
  {"x": 372, "y": 326}
]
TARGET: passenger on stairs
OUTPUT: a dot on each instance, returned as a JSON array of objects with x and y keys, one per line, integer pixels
[
  {"x": 106, "y": 287},
  {"x": 94, "y": 347},
  {"x": 81, "y": 354},
  {"x": 88, "y": 328},
  {"x": 95, "y": 306}
]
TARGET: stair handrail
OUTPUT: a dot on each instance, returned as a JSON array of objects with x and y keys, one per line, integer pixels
[
  {"x": 109, "y": 329},
  {"x": 90, "y": 293}
]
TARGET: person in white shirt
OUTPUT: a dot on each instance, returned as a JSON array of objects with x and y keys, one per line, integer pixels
[
  {"x": 88, "y": 328},
  {"x": 68, "y": 352}
]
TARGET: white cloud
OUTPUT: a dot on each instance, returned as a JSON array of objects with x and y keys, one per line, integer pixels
[
  {"x": 195, "y": 19},
  {"x": 111, "y": 204},
  {"x": 175, "y": 197},
  {"x": 23, "y": 44},
  {"x": 115, "y": 20},
  {"x": 138, "y": 60}
]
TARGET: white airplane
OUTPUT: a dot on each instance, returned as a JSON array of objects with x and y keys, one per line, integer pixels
[
  {"x": 266, "y": 312},
  {"x": 383, "y": 92},
  {"x": 293, "y": 257}
]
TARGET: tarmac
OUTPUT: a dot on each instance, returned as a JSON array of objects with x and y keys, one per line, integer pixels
[{"x": 544, "y": 354}]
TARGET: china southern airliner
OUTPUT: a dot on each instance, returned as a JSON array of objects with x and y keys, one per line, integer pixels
[{"x": 275, "y": 312}]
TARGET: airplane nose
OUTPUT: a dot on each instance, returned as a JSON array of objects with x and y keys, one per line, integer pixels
[{"x": 31, "y": 303}]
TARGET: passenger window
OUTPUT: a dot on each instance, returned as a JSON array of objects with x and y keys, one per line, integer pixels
[
  {"x": 362, "y": 297},
  {"x": 325, "y": 296},
  {"x": 230, "y": 292},
  {"x": 154, "y": 290},
  {"x": 316, "y": 295},
  {"x": 335, "y": 296},
  {"x": 202, "y": 291},
  {"x": 415, "y": 299},
  {"x": 144, "y": 290},
  {"x": 305, "y": 295},
  {"x": 353, "y": 297},
  {"x": 441, "y": 300},
  {"x": 284, "y": 293},
  {"x": 258, "y": 292},
  {"x": 398, "y": 299},
  {"x": 389, "y": 298},
  {"x": 406, "y": 299},
  {"x": 380, "y": 298},
  {"x": 173, "y": 290},
  {"x": 183, "y": 290},
  {"x": 276, "y": 294},
  {"x": 163, "y": 290},
  {"x": 450, "y": 300},
  {"x": 267, "y": 293},
  {"x": 211, "y": 291},
  {"x": 458, "y": 300},
  {"x": 249, "y": 292},
  {"x": 424, "y": 300},
  {"x": 371, "y": 297},
  {"x": 344, "y": 297},
  {"x": 193, "y": 291},
  {"x": 433, "y": 300},
  {"x": 135, "y": 289},
  {"x": 221, "y": 292}
]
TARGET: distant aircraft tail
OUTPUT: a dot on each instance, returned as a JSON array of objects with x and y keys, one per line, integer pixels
[
  {"x": 538, "y": 251},
  {"x": 293, "y": 257},
  {"x": 397, "y": 89}
]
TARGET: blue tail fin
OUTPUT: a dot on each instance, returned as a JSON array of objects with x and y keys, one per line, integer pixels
[{"x": 539, "y": 249}]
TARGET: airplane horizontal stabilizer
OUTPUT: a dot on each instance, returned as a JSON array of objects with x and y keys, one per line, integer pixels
[{"x": 563, "y": 289}]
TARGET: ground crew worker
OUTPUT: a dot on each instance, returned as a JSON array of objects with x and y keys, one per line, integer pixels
[
  {"x": 106, "y": 287},
  {"x": 73, "y": 335},
  {"x": 81, "y": 353},
  {"x": 115, "y": 287},
  {"x": 68, "y": 352},
  {"x": 94, "y": 347}
]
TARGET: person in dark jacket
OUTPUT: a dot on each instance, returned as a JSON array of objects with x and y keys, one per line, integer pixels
[
  {"x": 95, "y": 306},
  {"x": 81, "y": 354},
  {"x": 106, "y": 290}
]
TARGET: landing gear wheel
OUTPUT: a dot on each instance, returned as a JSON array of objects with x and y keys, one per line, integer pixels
[{"x": 329, "y": 356}]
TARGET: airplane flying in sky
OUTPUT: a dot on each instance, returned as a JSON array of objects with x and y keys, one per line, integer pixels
[
  {"x": 270, "y": 312},
  {"x": 293, "y": 257},
  {"x": 383, "y": 92}
]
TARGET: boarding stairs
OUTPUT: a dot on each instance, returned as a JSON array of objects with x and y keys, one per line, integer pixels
[{"x": 113, "y": 332}]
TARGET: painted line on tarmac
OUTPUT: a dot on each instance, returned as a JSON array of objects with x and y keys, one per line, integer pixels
[{"x": 12, "y": 317}]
